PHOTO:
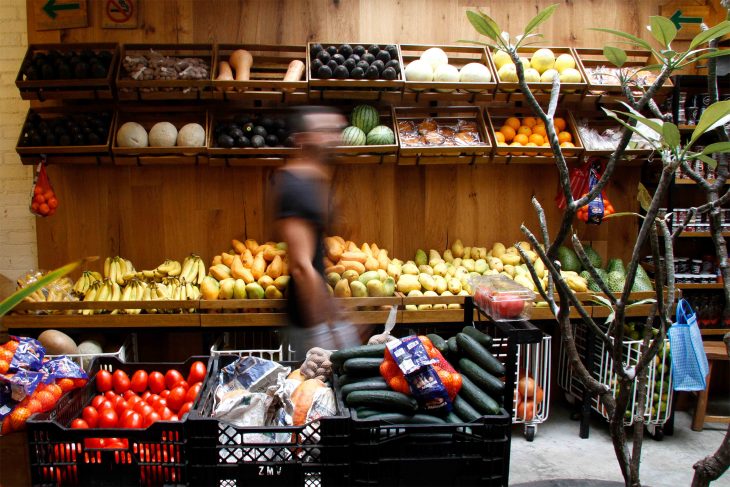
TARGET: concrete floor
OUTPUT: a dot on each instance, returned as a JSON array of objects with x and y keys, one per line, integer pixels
[{"x": 559, "y": 453}]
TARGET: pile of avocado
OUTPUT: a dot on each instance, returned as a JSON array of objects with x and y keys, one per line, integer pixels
[
  {"x": 56, "y": 65},
  {"x": 355, "y": 62},
  {"x": 614, "y": 274},
  {"x": 248, "y": 130},
  {"x": 74, "y": 129}
]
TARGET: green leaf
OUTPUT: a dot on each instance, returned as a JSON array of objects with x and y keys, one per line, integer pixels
[
  {"x": 643, "y": 197},
  {"x": 670, "y": 132},
  {"x": 636, "y": 41},
  {"x": 484, "y": 25},
  {"x": 721, "y": 29},
  {"x": 716, "y": 114},
  {"x": 722, "y": 147},
  {"x": 616, "y": 55},
  {"x": 633, "y": 129},
  {"x": 640, "y": 302},
  {"x": 663, "y": 30},
  {"x": 540, "y": 18},
  {"x": 655, "y": 126},
  {"x": 715, "y": 53},
  {"x": 707, "y": 160},
  {"x": 607, "y": 304},
  {"x": 12, "y": 301}
]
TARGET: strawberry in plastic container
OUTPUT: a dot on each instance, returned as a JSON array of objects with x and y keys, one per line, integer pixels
[{"x": 43, "y": 198}]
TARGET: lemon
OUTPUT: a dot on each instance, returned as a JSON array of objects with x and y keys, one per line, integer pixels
[
  {"x": 531, "y": 75},
  {"x": 547, "y": 76},
  {"x": 570, "y": 75},
  {"x": 542, "y": 60},
  {"x": 563, "y": 62},
  {"x": 500, "y": 59},
  {"x": 508, "y": 73}
]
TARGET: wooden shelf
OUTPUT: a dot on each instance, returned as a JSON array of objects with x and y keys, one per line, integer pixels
[
  {"x": 686, "y": 181},
  {"x": 701, "y": 234},
  {"x": 688, "y": 286},
  {"x": 714, "y": 331},
  {"x": 686, "y": 128}
]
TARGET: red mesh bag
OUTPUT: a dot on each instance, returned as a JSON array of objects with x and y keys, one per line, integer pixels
[{"x": 43, "y": 200}]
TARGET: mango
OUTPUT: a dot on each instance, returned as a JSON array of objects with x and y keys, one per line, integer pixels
[
  {"x": 220, "y": 272},
  {"x": 375, "y": 289},
  {"x": 383, "y": 261},
  {"x": 209, "y": 288},
  {"x": 273, "y": 293},
  {"x": 456, "y": 262},
  {"x": 448, "y": 256},
  {"x": 467, "y": 253},
  {"x": 274, "y": 269},
  {"x": 388, "y": 286},
  {"x": 440, "y": 306},
  {"x": 330, "y": 290},
  {"x": 513, "y": 251},
  {"x": 531, "y": 256},
  {"x": 411, "y": 307},
  {"x": 342, "y": 289},
  {"x": 397, "y": 262},
  {"x": 265, "y": 281},
  {"x": 498, "y": 249},
  {"x": 457, "y": 249},
  {"x": 453, "y": 306},
  {"x": 350, "y": 275},
  {"x": 421, "y": 258},
  {"x": 510, "y": 259},
  {"x": 408, "y": 282},
  {"x": 440, "y": 269},
  {"x": 454, "y": 286},
  {"x": 247, "y": 258},
  {"x": 365, "y": 248},
  {"x": 524, "y": 281},
  {"x": 282, "y": 282},
  {"x": 539, "y": 267},
  {"x": 468, "y": 264},
  {"x": 524, "y": 245},
  {"x": 358, "y": 290},
  {"x": 382, "y": 275},
  {"x": 254, "y": 291},
  {"x": 482, "y": 253},
  {"x": 251, "y": 245},
  {"x": 495, "y": 263},
  {"x": 333, "y": 278},
  {"x": 510, "y": 270},
  {"x": 416, "y": 293},
  {"x": 440, "y": 284},
  {"x": 226, "y": 288},
  {"x": 259, "y": 266},
  {"x": 394, "y": 270},
  {"x": 425, "y": 307},
  {"x": 409, "y": 268},
  {"x": 239, "y": 288},
  {"x": 425, "y": 269},
  {"x": 481, "y": 266},
  {"x": 368, "y": 276},
  {"x": 464, "y": 292},
  {"x": 281, "y": 246},
  {"x": 451, "y": 271},
  {"x": 431, "y": 294},
  {"x": 372, "y": 264},
  {"x": 426, "y": 282}
]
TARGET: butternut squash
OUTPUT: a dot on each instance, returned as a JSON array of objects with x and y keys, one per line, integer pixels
[
  {"x": 294, "y": 72},
  {"x": 227, "y": 258},
  {"x": 302, "y": 398},
  {"x": 238, "y": 246},
  {"x": 356, "y": 256},
  {"x": 241, "y": 61},
  {"x": 353, "y": 265},
  {"x": 224, "y": 74},
  {"x": 259, "y": 266}
]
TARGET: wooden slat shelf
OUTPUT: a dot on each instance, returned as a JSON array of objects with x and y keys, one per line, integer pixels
[
  {"x": 153, "y": 321},
  {"x": 701, "y": 234},
  {"x": 714, "y": 331},
  {"x": 687, "y": 181},
  {"x": 689, "y": 286}
]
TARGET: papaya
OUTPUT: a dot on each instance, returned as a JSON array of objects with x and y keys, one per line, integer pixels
[
  {"x": 340, "y": 240},
  {"x": 351, "y": 247},
  {"x": 259, "y": 266},
  {"x": 251, "y": 245},
  {"x": 247, "y": 258},
  {"x": 342, "y": 289},
  {"x": 333, "y": 249},
  {"x": 284, "y": 267},
  {"x": 365, "y": 248},
  {"x": 217, "y": 260},
  {"x": 254, "y": 291},
  {"x": 271, "y": 252},
  {"x": 238, "y": 246},
  {"x": 239, "y": 289},
  {"x": 247, "y": 276},
  {"x": 356, "y": 256},
  {"x": 227, "y": 259},
  {"x": 337, "y": 269},
  {"x": 237, "y": 268},
  {"x": 353, "y": 265},
  {"x": 274, "y": 269},
  {"x": 226, "y": 288},
  {"x": 374, "y": 248},
  {"x": 209, "y": 288},
  {"x": 220, "y": 271},
  {"x": 358, "y": 289},
  {"x": 383, "y": 260},
  {"x": 372, "y": 264}
]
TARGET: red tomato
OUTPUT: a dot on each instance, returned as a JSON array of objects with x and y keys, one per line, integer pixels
[
  {"x": 105, "y": 404},
  {"x": 91, "y": 416},
  {"x": 139, "y": 381},
  {"x": 121, "y": 381},
  {"x": 152, "y": 400},
  {"x": 108, "y": 418},
  {"x": 133, "y": 400},
  {"x": 116, "y": 400},
  {"x": 176, "y": 398},
  {"x": 193, "y": 392},
  {"x": 133, "y": 420},
  {"x": 509, "y": 306},
  {"x": 151, "y": 418},
  {"x": 184, "y": 409},
  {"x": 145, "y": 395},
  {"x": 127, "y": 412},
  {"x": 138, "y": 407},
  {"x": 146, "y": 409},
  {"x": 103, "y": 381},
  {"x": 165, "y": 413},
  {"x": 114, "y": 444},
  {"x": 110, "y": 394},
  {"x": 161, "y": 402},
  {"x": 121, "y": 407},
  {"x": 96, "y": 401},
  {"x": 172, "y": 377},
  {"x": 79, "y": 424},
  {"x": 174, "y": 418},
  {"x": 128, "y": 394},
  {"x": 197, "y": 372},
  {"x": 156, "y": 382},
  {"x": 165, "y": 393},
  {"x": 183, "y": 383},
  {"x": 94, "y": 443}
]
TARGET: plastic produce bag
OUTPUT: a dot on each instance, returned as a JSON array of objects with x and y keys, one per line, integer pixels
[
  {"x": 385, "y": 337},
  {"x": 43, "y": 200}
]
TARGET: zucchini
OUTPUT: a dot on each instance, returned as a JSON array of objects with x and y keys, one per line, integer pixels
[
  {"x": 464, "y": 410},
  {"x": 362, "y": 366},
  {"x": 344, "y": 379},
  {"x": 362, "y": 412},
  {"x": 453, "y": 418},
  {"x": 396, "y": 418},
  {"x": 479, "y": 355},
  {"x": 453, "y": 346},
  {"x": 387, "y": 400},
  {"x": 477, "y": 398},
  {"x": 483, "y": 379},
  {"x": 483, "y": 339},
  {"x": 369, "y": 384},
  {"x": 364, "y": 351},
  {"x": 439, "y": 343}
]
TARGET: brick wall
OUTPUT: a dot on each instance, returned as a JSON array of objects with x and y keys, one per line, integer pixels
[{"x": 18, "y": 250}]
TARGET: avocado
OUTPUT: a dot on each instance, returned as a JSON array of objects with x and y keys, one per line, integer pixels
[
  {"x": 389, "y": 73},
  {"x": 368, "y": 58},
  {"x": 324, "y": 72},
  {"x": 359, "y": 50},
  {"x": 259, "y": 130},
  {"x": 257, "y": 141},
  {"x": 316, "y": 49},
  {"x": 331, "y": 50},
  {"x": 378, "y": 64},
  {"x": 98, "y": 71},
  {"x": 392, "y": 50},
  {"x": 248, "y": 128},
  {"x": 364, "y": 65},
  {"x": 225, "y": 141},
  {"x": 272, "y": 140},
  {"x": 372, "y": 73},
  {"x": 64, "y": 139},
  {"x": 81, "y": 71},
  {"x": 267, "y": 123},
  {"x": 332, "y": 65},
  {"x": 349, "y": 64},
  {"x": 345, "y": 50},
  {"x": 235, "y": 132},
  {"x": 374, "y": 49},
  {"x": 94, "y": 139},
  {"x": 383, "y": 56},
  {"x": 64, "y": 71},
  {"x": 357, "y": 73},
  {"x": 324, "y": 57},
  {"x": 393, "y": 63},
  {"x": 341, "y": 72},
  {"x": 355, "y": 57},
  {"x": 242, "y": 141},
  {"x": 339, "y": 59}
]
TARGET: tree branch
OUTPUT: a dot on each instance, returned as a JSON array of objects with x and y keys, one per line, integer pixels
[{"x": 578, "y": 247}]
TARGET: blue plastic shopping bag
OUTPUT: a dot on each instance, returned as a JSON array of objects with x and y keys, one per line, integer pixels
[{"x": 689, "y": 361}]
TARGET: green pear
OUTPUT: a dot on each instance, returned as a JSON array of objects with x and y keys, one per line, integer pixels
[
  {"x": 389, "y": 286},
  {"x": 394, "y": 270},
  {"x": 226, "y": 289}
]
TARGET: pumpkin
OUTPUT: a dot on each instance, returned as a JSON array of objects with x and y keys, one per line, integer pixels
[{"x": 302, "y": 398}]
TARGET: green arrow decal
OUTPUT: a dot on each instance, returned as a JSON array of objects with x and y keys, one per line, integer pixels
[
  {"x": 50, "y": 8},
  {"x": 678, "y": 20}
]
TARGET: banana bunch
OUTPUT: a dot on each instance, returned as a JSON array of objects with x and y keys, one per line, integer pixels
[
  {"x": 135, "y": 290},
  {"x": 118, "y": 270},
  {"x": 85, "y": 281},
  {"x": 106, "y": 290},
  {"x": 59, "y": 290},
  {"x": 193, "y": 270}
]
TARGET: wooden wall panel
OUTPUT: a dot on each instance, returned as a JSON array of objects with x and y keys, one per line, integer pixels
[{"x": 150, "y": 213}]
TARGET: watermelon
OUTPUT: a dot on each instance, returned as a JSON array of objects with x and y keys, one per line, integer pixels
[
  {"x": 353, "y": 136},
  {"x": 365, "y": 117},
  {"x": 381, "y": 135}
]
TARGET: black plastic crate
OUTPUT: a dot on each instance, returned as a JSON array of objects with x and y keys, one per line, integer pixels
[
  {"x": 152, "y": 456},
  {"x": 223, "y": 455}
]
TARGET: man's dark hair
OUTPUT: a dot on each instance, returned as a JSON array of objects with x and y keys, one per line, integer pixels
[{"x": 298, "y": 116}]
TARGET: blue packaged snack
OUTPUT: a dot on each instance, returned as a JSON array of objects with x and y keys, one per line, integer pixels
[
  {"x": 29, "y": 354},
  {"x": 415, "y": 363},
  {"x": 62, "y": 368},
  {"x": 596, "y": 208}
]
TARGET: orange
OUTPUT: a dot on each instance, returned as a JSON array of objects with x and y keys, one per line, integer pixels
[
  {"x": 536, "y": 139},
  {"x": 539, "y": 130},
  {"x": 529, "y": 121},
  {"x": 508, "y": 132},
  {"x": 565, "y": 137},
  {"x": 559, "y": 124},
  {"x": 34, "y": 405},
  {"x": 46, "y": 399},
  {"x": 516, "y": 144},
  {"x": 11, "y": 345},
  {"x": 531, "y": 144},
  {"x": 66, "y": 384},
  {"x": 55, "y": 390},
  {"x": 520, "y": 139},
  {"x": 513, "y": 122},
  {"x": 499, "y": 136},
  {"x": 6, "y": 355},
  {"x": 18, "y": 418},
  {"x": 4, "y": 366},
  {"x": 525, "y": 130},
  {"x": 567, "y": 144}
]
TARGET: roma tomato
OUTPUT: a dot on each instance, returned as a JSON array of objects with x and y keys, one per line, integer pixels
[
  {"x": 125, "y": 413},
  {"x": 108, "y": 418},
  {"x": 133, "y": 420},
  {"x": 193, "y": 392},
  {"x": 152, "y": 400},
  {"x": 128, "y": 394},
  {"x": 91, "y": 416},
  {"x": 79, "y": 424},
  {"x": 145, "y": 395},
  {"x": 105, "y": 404},
  {"x": 94, "y": 443},
  {"x": 197, "y": 372},
  {"x": 185, "y": 409},
  {"x": 165, "y": 413},
  {"x": 110, "y": 394},
  {"x": 156, "y": 382},
  {"x": 139, "y": 381},
  {"x": 120, "y": 381},
  {"x": 133, "y": 400},
  {"x": 172, "y": 377},
  {"x": 184, "y": 384},
  {"x": 103, "y": 381},
  {"x": 176, "y": 398},
  {"x": 121, "y": 407},
  {"x": 165, "y": 393},
  {"x": 151, "y": 418},
  {"x": 97, "y": 401}
]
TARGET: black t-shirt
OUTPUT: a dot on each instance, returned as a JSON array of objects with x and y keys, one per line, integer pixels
[{"x": 299, "y": 196}]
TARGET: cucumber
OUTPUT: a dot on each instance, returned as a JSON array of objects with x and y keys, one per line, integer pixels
[
  {"x": 483, "y": 339},
  {"x": 362, "y": 366},
  {"x": 477, "y": 398},
  {"x": 396, "y": 418},
  {"x": 464, "y": 410},
  {"x": 362, "y": 413},
  {"x": 483, "y": 379},
  {"x": 386, "y": 400},
  {"x": 343, "y": 380},
  {"x": 439, "y": 343},
  {"x": 364, "y": 351},
  {"x": 479, "y": 355},
  {"x": 453, "y": 418},
  {"x": 453, "y": 346},
  {"x": 370, "y": 384}
]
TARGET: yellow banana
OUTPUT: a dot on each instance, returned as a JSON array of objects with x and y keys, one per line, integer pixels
[{"x": 107, "y": 266}]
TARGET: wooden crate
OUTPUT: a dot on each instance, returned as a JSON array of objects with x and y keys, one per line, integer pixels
[
  {"x": 569, "y": 92},
  {"x": 148, "y": 116},
  {"x": 177, "y": 89},
  {"x": 78, "y": 89},
  {"x": 504, "y": 154},
  {"x": 459, "y": 56},
  {"x": 592, "y": 58},
  {"x": 354, "y": 89},
  {"x": 371, "y": 154},
  {"x": 245, "y": 156},
  {"x": 270, "y": 63},
  {"x": 631, "y": 156},
  {"x": 71, "y": 154},
  {"x": 432, "y": 315},
  {"x": 421, "y": 155}
]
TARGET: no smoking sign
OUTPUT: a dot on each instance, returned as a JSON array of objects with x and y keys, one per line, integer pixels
[{"x": 120, "y": 14}]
